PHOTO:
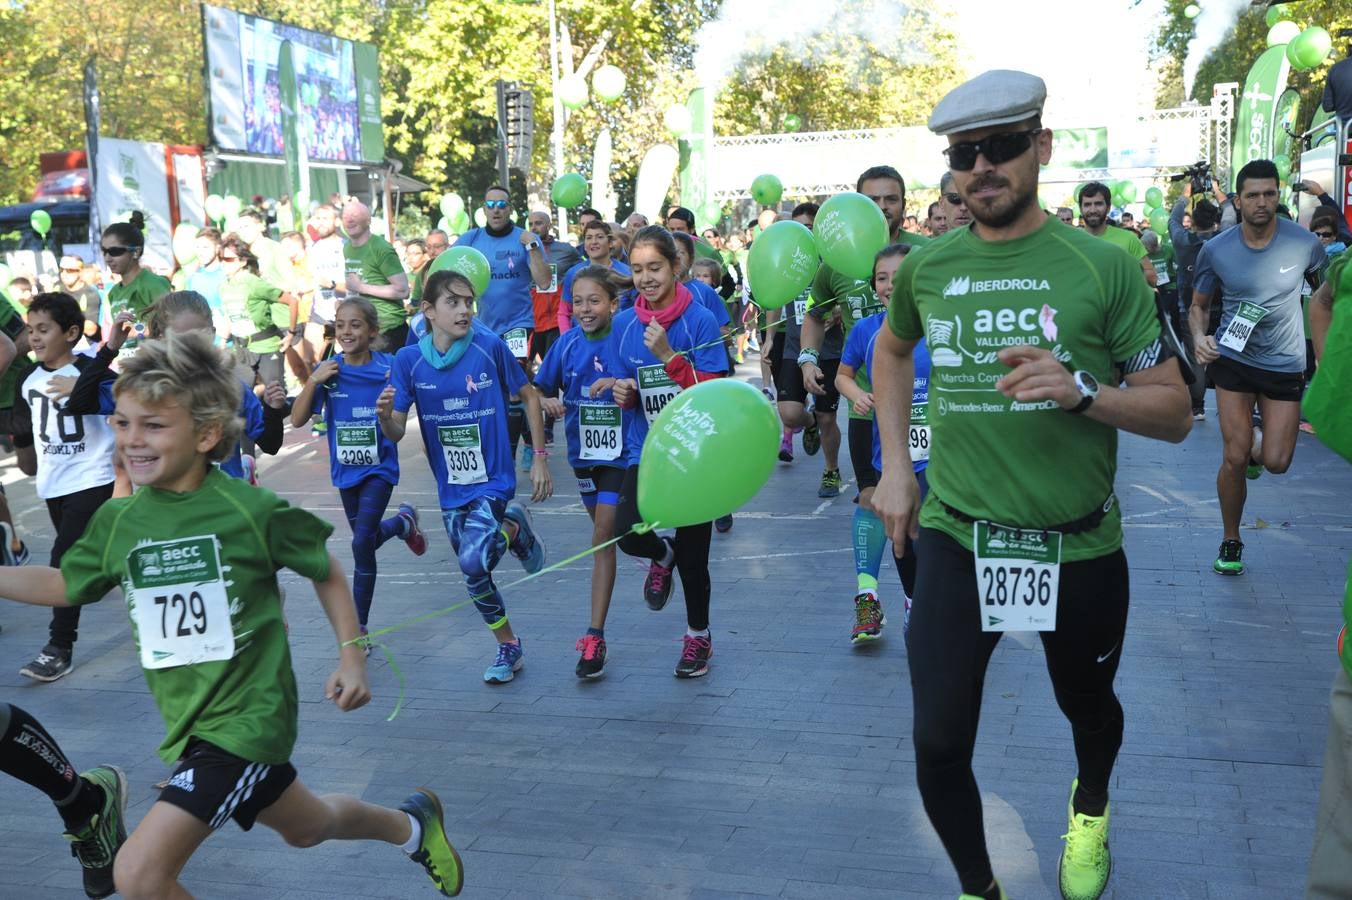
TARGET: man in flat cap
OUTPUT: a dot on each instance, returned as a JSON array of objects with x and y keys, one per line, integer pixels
[{"x": 1032, "y": 328}]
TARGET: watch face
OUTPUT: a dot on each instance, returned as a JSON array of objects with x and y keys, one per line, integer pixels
[{"x": 1089, "y": 381}]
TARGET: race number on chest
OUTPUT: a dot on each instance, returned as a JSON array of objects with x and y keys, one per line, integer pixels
[
  {"x": 357, "y": 445},
  {"x": 517, "y": 341},
  {"x": 464, "y": 454},
  {"x": 599, "y": 431},
  {"x": 1018, "y": 572},
  {"x": 1241, "y": 326},
  {"x": 655, "y": 389},
  {"x": 178, "y": 603}
]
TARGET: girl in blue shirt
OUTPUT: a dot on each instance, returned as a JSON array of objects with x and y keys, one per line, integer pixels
[
  {"x": 666, "y": 342},
  {"x": 363, "y": 462},
  {"x": 463, "y": 376},
  {"x": 580, "y": 365}
]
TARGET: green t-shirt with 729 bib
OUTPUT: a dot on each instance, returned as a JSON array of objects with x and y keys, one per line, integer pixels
[
  {"x": 1028, "y": 464},
  {"x": 199, "y": 574}
]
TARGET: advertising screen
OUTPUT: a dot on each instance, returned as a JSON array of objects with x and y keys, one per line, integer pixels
[{"x": 337, "y": 82}]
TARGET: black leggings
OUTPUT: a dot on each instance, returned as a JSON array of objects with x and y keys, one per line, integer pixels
[
  {"x": 692, "y": 551},
  {"x": 948, "y": 653},
  {"x": 71, "y": 514}
]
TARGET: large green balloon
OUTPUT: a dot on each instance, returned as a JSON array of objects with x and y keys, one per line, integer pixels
[
  {"x": 1128, "y": 191},
  {"x": 713, "y": 212},
  {"x": 849, "y": 230},
  {"x": 570, "y": 190},
  {"x": 767, "y": 190},
  {"x": 678, "y": 120},
  {"x": 233, "y": 205},
  {"x": 1284, "y": 32},
  {"x": 185, "y": 243},
  {"x": 608, "y": 83},
  {"x": 460, "y": 222},
  {"x": 781, "y": 265},
  {"x": 1192, "y": 11},
  {"x": 468, "y": 262},
  {"x": 41, "y": 220},
  {"x": 1154, "y": 197},
  {"x": 573, "y": 92},
  {"x": 1309, "y": 48},
  {"x": 711, "y": 450},
  {"x": 1159, "y": 222},
  {"x": 451, "y": 204},
  {"x": 215, "y": 207},
  {"x": 481, "y": 217},
  {"x": 792, "y": 122}
]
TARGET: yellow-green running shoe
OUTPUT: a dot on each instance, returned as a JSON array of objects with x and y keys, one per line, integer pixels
[
  {"x": 435, "y": 853},
  {"x": 1086, "y": 862},
  {"x": 1003, "y": 895},
  {"x": 96, "y": 844}
]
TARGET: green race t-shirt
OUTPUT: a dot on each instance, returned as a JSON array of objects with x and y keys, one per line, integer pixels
[
  {"x": 375, "y": 262},
  {"x": 251, "y": 305},
  {"x": 136, "y": 295},
  {"x": 188, "y": 560},
  {"x": 1124, "y": 238},
  {"x": 1163, "y": 261},
  {"x": 1021, "y": 464}
]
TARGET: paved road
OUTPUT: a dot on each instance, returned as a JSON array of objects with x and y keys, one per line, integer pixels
[{"x": 788, "y": 771}]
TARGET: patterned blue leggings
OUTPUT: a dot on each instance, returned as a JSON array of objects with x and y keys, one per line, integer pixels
[
  {"x": 364, "y": 504},
  {"x": 476, "y": 536}
]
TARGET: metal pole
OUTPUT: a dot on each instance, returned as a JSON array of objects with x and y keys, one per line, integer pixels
[{"x": 560, "y": 214}]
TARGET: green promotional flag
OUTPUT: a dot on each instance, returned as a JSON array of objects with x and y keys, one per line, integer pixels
[
  {"x": 695, "y": 149},
  {"x": 367, "y": 64},
  {"x": 1284, "y": 117},
  {"x": 1080, "y": 148},
  {"x": 293, "y": 150},
  {"x": 1256, "y": 115}
]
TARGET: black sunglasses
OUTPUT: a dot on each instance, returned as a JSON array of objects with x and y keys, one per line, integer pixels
[
  {"x": 953, "y": 198},
  {"x": 997, "y": 148},
  {"x": 115, "y": 251},
  {"x": 1325, "y": 234}
]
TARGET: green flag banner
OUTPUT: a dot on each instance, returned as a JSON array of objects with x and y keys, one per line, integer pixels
[
  {"x": 1256, "y": 116},
  {"x": 1080, "y": 148},
  {"x": 696, "y": 147},
  {"x": 293, "y": 149},
  {"x": 367, "y": 65}
]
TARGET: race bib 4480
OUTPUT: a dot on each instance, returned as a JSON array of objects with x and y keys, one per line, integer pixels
[{"x": 655, "y": 390}]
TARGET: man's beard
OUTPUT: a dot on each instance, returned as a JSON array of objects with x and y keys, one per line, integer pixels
[{"x": 1000, "y": 215}]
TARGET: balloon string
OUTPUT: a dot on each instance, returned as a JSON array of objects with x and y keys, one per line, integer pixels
[{"x": 366, "y": 640}]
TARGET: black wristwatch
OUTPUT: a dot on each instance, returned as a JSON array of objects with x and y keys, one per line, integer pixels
[{"x": 1088, "y": 387}]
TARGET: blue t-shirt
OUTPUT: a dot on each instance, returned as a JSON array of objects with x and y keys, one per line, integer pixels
[
  {"x": 506, "y": 304},
  {"x": 919, "y": 390},
  {"x": 708, "y": 298},
  {"x": 631, "y": 359},
  {"x": 572, "y": 364},
  {"x": 417, "y": 327},
  {"x": 566, "y": 286},
  {"x": 462, "y": 413},
  {"x": 207, "y": 282},
  {"x": 358, "y": 448},
  {"x": 251, "y": 411},
  {"x": 1270, "y": 280}
]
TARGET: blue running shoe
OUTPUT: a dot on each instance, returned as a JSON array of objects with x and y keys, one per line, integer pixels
[
  {"x": 507, "y": 664},
  {"x": 526, "y": 546}
]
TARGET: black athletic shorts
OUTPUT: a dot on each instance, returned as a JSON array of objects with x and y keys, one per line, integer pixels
[
  {"x": 216, "y": 786},
  {"x": 541, "y": 341},
  {"x": 789, "y": 385},
  {"x": 1241, "y": 378},
  {"x": 599, "y": 484},
  {"x": 861, "y": 453}
]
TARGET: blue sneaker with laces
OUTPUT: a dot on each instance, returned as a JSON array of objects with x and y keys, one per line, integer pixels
[
  {"x": 526, "y": 546},
  {"x": 507, "y": 664}
]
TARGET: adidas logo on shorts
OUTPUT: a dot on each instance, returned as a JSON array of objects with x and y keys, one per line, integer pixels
[{"x": 182, "y": 781}]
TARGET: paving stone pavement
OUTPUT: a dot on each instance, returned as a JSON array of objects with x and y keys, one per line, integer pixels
[{"x": 788, "y": 771}]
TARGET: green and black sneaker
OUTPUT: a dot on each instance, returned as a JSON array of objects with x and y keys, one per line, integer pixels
[
  {"x": 1229, "y": 562},
  {"x": 435, "y": 853},
  {"x": 1086, "y": 861},
  {"x": 96, "y": 844}
]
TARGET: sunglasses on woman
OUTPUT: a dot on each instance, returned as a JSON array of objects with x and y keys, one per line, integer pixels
[
  {"x": 115, "y": 251},
  {"x": 1325, "y": 234},
  {"x": 997, "y": 148}
]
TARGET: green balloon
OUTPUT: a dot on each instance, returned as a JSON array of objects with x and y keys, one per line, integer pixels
[
  {"x": 704, "y": 251},
  {"x": 215, "y": 207},
  {"x": 460, "y": 222},
  {"x": 713, "y": 212},
  {"x": 767, "y": 190},
  {"x": 710, "y": 451},
  {"x": 451, "y": 204},
  {"x": 468, "y": 262},
  {"x": 1128, "y": 191},
  {"x": 782, "y": 262},
  {"x": 1284, "y": 32},
  {"x": 41, "y": 220},
  {"x": 608, "y": 83},
  {"x": 444, "y": 224},
  {"x": 573, "y": 92},
  {"x": 1159, "y": 222},
  {"x": 1192, "y": 11},
  {"x": 233, "y": 205},
  {"x": 481, "y": 217},
  {"x": 849, "y": 231},
  {"x": 1309, "y": 48},
  {"x": 185, "y": 243},
  {"x": 570, "y": 190},
  {"x": 1154, "y": 197},
  {"x": 792, "y": 122},
  {"x": 1276, "y": 14}
]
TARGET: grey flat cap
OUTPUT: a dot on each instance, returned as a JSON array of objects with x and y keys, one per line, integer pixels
[{"x": 997, "y": 97}]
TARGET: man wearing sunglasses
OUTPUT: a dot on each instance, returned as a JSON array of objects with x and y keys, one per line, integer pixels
[
  {"x": 517, "y": 262},
  {"x": 837, "y": 303},
  {"x": 1095, "y": 202},
  {"x": 951, "y": 202},
  {"x": 71, "y": 273},
  {"x": 1031, "y": 327}
]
